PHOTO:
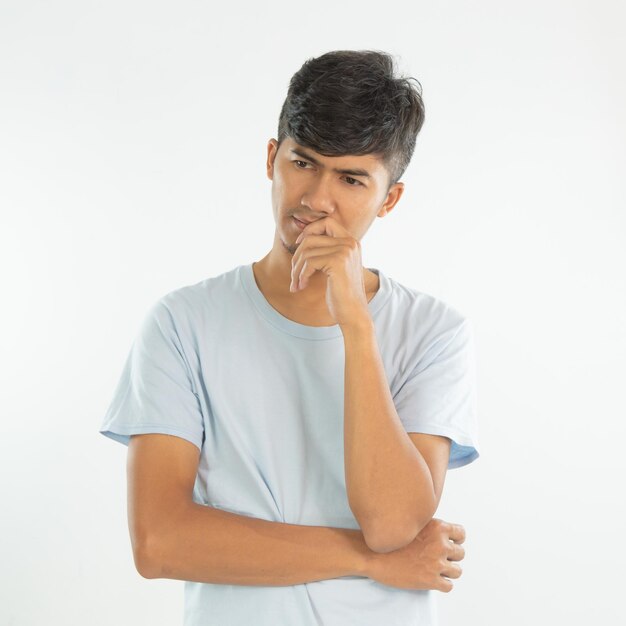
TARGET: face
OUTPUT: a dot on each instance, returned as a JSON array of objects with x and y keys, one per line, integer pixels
[{"x": 351, "y": 189}]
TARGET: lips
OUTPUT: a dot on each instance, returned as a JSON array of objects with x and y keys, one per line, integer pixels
[{"x": 299, "y": 223}]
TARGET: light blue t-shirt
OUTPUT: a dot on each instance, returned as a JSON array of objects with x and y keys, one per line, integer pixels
[{"x": 262, "y": 398}]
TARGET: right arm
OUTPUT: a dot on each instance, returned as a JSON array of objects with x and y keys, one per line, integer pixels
[{"x": 174, "y": 537}]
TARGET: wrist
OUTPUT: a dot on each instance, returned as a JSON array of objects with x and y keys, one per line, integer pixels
[
  {"x": 358, "y": 327},
  {"x": 363, "y": 557}
]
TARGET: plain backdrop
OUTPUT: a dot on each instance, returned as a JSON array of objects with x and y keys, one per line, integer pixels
[{"x": 132, "y": 162}]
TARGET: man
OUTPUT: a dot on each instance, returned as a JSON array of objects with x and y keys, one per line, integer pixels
[{"x": 290, "y": 422}]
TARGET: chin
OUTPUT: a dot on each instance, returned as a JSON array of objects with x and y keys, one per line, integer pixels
[{"x": 291, "y": 248}]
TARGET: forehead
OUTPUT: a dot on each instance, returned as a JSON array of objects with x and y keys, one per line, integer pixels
[{"x": 366, "y": 165}]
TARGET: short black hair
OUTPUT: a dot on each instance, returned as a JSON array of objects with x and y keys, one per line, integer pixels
[{"x": 351, "y": 102}]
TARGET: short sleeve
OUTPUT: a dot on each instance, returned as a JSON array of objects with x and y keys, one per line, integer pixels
[
  {"x": 155, "y": 393},
  {"x": 439, "y": 396}
]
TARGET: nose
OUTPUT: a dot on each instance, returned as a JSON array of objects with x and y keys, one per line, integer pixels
[{"x": 318, "y": 196}]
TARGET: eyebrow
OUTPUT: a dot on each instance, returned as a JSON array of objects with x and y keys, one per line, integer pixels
[{"x": 349, "y": 172}]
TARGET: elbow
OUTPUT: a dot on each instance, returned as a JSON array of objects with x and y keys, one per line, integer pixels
[
  {"x": 386, "y": 541},
  {"x": 146, "y": 568},
  {"x": 145, "y": 564},
  {"x": 154, "y": 547},
  {"x": 388, "y": 537}
]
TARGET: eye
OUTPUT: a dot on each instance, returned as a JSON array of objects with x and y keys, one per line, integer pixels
[
  {"x": 298, "y": 161},
  {"x": 355, "y": 180}
]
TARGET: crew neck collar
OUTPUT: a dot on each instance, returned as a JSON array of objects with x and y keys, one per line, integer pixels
[{"x": 246, "y": 275}]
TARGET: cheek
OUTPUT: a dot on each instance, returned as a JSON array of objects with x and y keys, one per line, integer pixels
[
  {"x": 280, "y": 185},
  {"x": 277, "y": 193}
]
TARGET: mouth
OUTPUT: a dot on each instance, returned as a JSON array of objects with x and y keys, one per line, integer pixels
[{"x": 300, "y": 224}]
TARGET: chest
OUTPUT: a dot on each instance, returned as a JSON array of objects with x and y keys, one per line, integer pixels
[{"x": 274, "y": 430}]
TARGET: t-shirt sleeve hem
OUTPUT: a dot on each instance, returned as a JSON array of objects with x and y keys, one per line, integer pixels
[
  {"x": 466, "y": 448},
  {"x": 122, "y": 433},
  {"x": 465, "y": 459}
]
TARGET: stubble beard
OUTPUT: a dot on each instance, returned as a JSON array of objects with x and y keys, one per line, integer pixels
[{"x": 291, "y": 249}]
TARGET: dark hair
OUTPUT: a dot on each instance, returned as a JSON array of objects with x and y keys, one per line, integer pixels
[{"x": 350, "y": 102}]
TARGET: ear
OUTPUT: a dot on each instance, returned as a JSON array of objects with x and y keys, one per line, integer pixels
[
  {"x": 272, "y": 149},
  {"x": 393, "y": 195}
]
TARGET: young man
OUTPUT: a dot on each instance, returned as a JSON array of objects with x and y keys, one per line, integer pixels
[{"x": 290, "y": 422}]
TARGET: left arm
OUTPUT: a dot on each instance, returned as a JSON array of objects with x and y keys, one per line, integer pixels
[{"x": 394, "y": 479}]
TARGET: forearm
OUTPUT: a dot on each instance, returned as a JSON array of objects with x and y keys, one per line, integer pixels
[
  {"x": 214, "y": 546},
  {"x": 388, "y": 482}
]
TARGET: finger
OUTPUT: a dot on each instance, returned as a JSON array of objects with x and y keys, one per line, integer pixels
[
  {"x": 457, "y": 552},
  {"x": 306, "y": 249},
  {"x": 325, "y": 226},
  {"x": 456, "y": 532},
  {"x": 300, "y": 258},
  {"x": 452, "y": 570},
  {"x": 314, "y": 260},
  {"x": 320, "y": 240}
]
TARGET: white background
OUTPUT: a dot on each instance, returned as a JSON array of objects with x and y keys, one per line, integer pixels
[{"x": 132, "y": 160}]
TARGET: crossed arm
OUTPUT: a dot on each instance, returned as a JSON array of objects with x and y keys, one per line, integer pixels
[{"x": 394, "y": 482}]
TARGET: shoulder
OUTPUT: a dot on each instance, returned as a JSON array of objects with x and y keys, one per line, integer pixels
[
  {"x": 191, "y": 305},
  {"x": 419, "y": 309},
  {"x": 415, "y": 327}
]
